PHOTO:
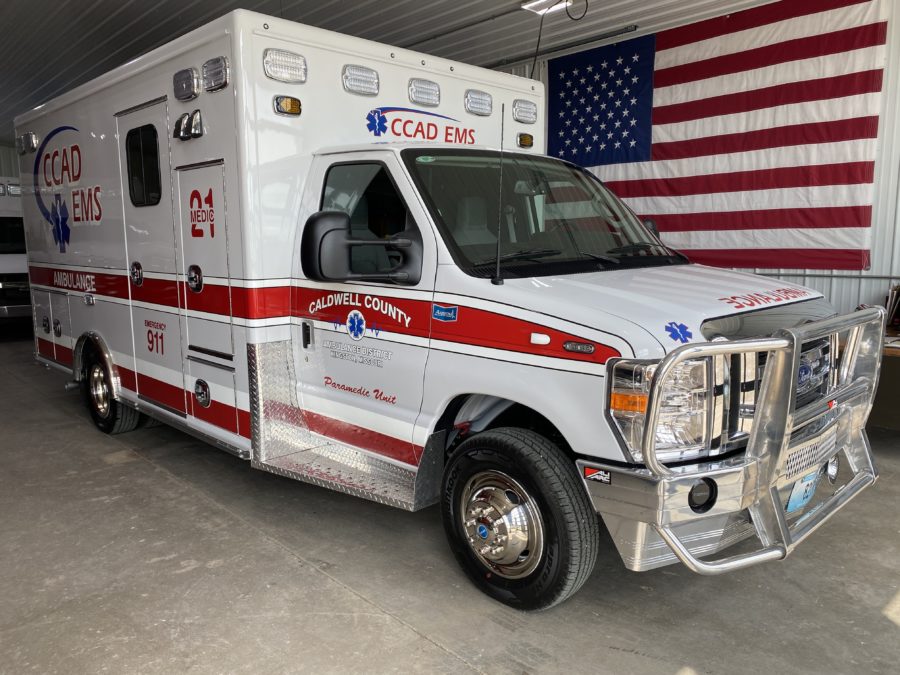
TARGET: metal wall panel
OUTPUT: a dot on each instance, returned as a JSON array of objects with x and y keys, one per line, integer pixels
[
  {"x": 845, "y": 289},
  {"x": 9, "y": 161}
]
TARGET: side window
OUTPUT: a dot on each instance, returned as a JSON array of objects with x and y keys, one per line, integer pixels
[
  {"x": 142, "y": 154},
  {"x": 367, "y": 194}
]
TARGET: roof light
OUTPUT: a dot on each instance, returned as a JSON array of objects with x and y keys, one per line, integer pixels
[
  {"x": 14, "y": 190},
  {"x": 479, "y": 102},
  {"x": 360, "y": 80},
  {"x": 215, "y": 74},
  {"x": 196, "y": 127},
  {"x": 182, "y": 130},
  {"x": 284, "y": 66},
  {"x": 424, "y": 92},
  {"x": 545, "y": 6},
  {"x": 26, "y": 143},
  {"x": 186, "y": 84},
  {"x": 524, "y": 111}
]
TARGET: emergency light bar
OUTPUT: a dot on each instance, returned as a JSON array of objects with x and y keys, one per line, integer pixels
[
  {"x": 524, "y": 111},
  {"x": 215, "y": 74},
  {"x": 479, "y": 102},
  {"x": 284, "y": 66},
  {"x": 186, "y": 84},
  {"x": 14, "y": 190},
  {"x": 360, "y": 80},
  {"x": 424, "y": 92}
]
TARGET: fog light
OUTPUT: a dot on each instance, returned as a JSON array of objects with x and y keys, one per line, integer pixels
[
  {"x": 832, "y": 469},
  {"x": 703, "y": 495}
]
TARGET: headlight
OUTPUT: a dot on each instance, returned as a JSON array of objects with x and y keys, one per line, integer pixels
[{"x": 687, "y": 407}]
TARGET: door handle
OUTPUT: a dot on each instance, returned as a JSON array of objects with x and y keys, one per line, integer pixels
[
  {"x": 306, "y": 328},
  {"x": 195, "y": 278}
]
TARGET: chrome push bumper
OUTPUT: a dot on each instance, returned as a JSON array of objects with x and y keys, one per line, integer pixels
[{"x": 647, "y": 509}]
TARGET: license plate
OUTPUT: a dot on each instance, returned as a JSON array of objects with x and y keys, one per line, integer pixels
[{"x": 803, "y": 491}]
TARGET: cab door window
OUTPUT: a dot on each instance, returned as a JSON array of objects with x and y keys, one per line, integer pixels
[{"x": 366, "y": 193}]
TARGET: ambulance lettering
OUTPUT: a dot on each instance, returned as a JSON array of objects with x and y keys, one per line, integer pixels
[
  {"x": 414, "y": 124},
  {"x": 760, "y": 299},
  {"x": 75, "y": 281},
  {"x": 57, "y": 167}
]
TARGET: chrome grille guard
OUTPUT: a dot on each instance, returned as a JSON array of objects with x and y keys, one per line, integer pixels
[{"x": 847, "y": 405}]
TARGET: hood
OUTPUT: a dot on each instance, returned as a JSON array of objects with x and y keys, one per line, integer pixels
[{"x": 671, "y": 303}]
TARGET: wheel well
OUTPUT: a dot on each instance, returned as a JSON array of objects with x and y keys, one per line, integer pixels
[
  {"x": 497, "y": 413},
  {"x": 91, "y": 342}
]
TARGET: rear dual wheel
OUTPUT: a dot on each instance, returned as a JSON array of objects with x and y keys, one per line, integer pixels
[
  {"x": 108, "y": 414},
  {"x": 518, "y": 518}
]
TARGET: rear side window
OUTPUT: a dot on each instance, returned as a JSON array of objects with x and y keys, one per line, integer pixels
[{"x": 142, "y": 155}]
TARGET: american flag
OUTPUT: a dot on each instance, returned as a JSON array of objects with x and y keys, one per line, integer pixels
[{"x": 749, "y": 139}]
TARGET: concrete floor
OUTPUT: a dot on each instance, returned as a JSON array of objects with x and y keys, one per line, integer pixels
[{"x": 151, "y": 552}]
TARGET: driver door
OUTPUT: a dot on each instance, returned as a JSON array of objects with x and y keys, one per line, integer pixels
[{"x": 363, "y": 345}]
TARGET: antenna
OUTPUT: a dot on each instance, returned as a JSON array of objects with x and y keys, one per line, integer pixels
[{"x": 497, "y": 280}]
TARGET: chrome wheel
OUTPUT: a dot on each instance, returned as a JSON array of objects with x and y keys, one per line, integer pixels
[
  {"x": 99, "y": 390},
  {"x": 502, "y": 523}
]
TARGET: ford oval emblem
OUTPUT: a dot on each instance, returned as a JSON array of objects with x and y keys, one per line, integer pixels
[{"x": 804, "y": 375}]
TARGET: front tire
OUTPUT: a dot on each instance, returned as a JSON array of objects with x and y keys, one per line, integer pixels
[
  {"x": 518, "y": 518},
  {"x": 109, "y": 415}
]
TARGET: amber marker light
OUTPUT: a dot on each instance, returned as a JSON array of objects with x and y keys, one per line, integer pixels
[
  {"x": 622, "y": 402},
  {"x": 287, "y": 105}
]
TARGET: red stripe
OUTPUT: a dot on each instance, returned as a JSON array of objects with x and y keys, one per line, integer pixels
[
  {"x": 848, "y": 173},
  {"x": 212, "y": 298},
  {"x": 414, "y": 320},
  {"x": 749, "y": 18},
  {"x": 344, "y": 432},
  {"x": 161, "y": 392},
  {"x": 790, "y": 50},
  {"x": 98, "y": 283},
  {"x": 157, "y": 292},
  {"x": 64, "y": 355},
  {"x": 766, "y": 219},
  {"x": 243, "y": 423},
  {"x": 864, "y": 82},
  {"x": 218, "y": 414},
  {"x": 487, "y": 329},
  {"x": 127, "y": 378},
  {"x": 777, "y": 137},
  {"x": 261, "y": 303},
  {"x": 45, "y": 349},
  {"x": 781, "y": 258}
]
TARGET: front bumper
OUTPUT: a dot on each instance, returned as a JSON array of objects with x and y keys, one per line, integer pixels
[
  {"x": 647, "y": 510},
  {"x": 14, "y": 311}
]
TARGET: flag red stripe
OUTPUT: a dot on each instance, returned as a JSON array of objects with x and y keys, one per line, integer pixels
[
  {"x": 748, "y": 18},
  {"x": 765, "y": 219},
  {"x": 810, "y": 47},
  {"x": 781, "y": 258},
  {"x": 776, "y": 137},
  {"x": 864, "y": 82},
  {"x": 848, "y": 173}
]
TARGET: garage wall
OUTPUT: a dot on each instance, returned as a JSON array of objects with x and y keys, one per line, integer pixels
[
  {"x": 9, "y": 161},
  {"x": 845, "y": 289}
]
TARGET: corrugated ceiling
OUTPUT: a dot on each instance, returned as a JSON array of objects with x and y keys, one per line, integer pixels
[{"x": 49, "y": 47}]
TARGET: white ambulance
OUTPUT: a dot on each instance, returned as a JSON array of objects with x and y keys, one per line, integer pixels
[
  {"x": 15, "y": 299},
  {"x": 351, "y": 265}
]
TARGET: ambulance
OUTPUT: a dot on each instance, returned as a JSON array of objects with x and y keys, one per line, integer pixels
[
  {"x": 352, "y": 265},
  {"x": 15, "y": 302}
]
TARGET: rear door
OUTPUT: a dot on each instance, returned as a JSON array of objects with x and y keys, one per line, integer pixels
[{"x": 144, "y": 155}]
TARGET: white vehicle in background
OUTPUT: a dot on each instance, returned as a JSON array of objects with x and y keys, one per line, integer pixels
[
  {"x": 15, "y": 300},
  {"x": 351, "y": 265}
]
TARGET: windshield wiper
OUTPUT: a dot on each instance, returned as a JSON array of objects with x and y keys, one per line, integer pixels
[
  {"x": 601, "y": 258},
  {"x": 639, "y": 246},
  {"x": 528, "y": 254}
]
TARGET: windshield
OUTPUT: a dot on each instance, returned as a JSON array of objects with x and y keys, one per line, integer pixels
[
  {"x": 551, "y": 217},
  {"x": 12, "y": 235}
]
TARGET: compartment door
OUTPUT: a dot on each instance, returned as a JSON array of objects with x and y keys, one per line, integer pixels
[
  {"x": 43, "y": 324},
  {"x": 205, "y": 290},
  {"x": 150, "y": 238},
  {"x": 61, "y": 328}
]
